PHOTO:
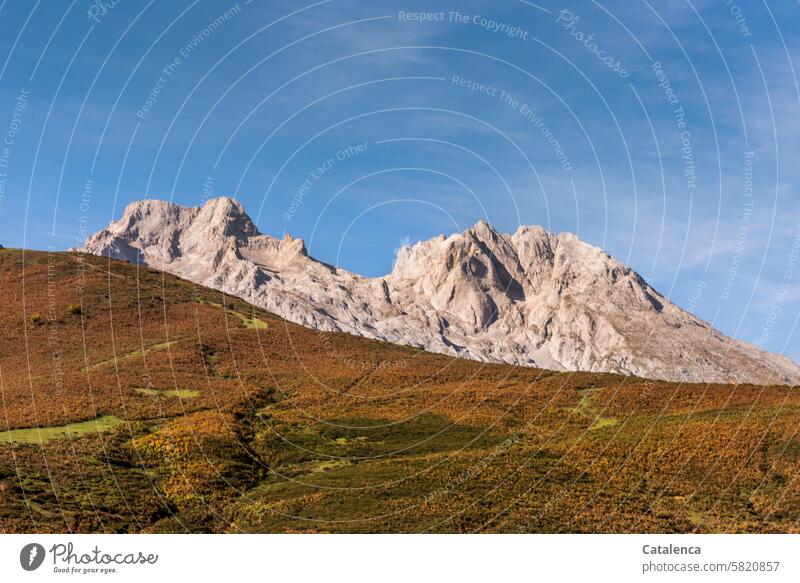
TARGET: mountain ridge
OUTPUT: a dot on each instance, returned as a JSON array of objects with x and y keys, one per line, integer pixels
[{"x": 531, "y": 297}]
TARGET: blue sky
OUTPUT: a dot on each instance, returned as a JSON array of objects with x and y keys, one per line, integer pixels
[{"x": 665, "y": 134}]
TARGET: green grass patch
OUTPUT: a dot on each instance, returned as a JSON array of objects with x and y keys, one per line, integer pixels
[
  {"x": 734, "y": 414},
  {"x": 179, "y": 393},
  {"x": 603, "y": 422},
  {"x": 73, "y": 430},
  {"x": 135, "y": 353},
  {"x": 588, "y": 409},
  {"x": 250, "y": 322}
]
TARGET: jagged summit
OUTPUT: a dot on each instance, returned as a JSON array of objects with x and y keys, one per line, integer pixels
[{"x": 531, "y": 297}]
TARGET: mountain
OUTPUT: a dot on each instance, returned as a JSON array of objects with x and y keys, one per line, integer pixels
[{"x": 531, "y": 298}]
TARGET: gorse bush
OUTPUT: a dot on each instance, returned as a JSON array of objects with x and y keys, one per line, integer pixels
[
  {"x": 74, "y": 309},
  {"x": 35, "y": 318}
]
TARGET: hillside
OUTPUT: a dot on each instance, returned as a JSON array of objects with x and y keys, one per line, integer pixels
[
  {"x": 133, "y": 400},
  {"x": 531, "y": 298}
]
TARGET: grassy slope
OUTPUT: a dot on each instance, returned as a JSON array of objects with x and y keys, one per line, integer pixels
[{"x": 234, "y": 420}]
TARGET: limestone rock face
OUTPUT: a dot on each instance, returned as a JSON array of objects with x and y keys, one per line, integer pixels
[{"x": 531, "y": 298}]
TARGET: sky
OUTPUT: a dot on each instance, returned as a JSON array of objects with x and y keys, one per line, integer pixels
[{"x": 665, "y": 133}]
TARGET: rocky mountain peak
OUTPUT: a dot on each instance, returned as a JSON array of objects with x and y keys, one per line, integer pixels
[
  {"x": 531, "y": 298},
  {"x": 294, "y": 246},
  {"x": 483, "y": 231},
  {"x": 227, "y": 217}
]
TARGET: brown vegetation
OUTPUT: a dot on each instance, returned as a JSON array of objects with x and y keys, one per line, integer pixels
[{"x": 235, "y": 420}]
